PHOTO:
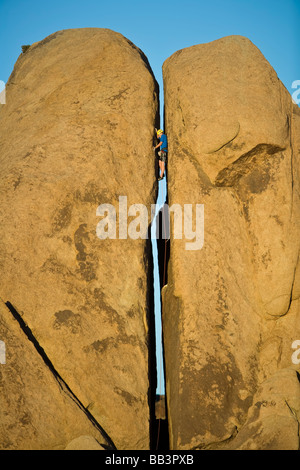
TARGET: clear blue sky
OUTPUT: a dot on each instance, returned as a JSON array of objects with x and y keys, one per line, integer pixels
[{"x": 160, "y": 28}]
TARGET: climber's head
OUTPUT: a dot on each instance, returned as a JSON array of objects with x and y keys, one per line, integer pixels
[{"x": 159, "y": 132}]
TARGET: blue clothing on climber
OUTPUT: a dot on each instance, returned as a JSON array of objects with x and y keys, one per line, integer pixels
[
  {"x": 164, "y": 141},
  {"x": 163, "y": 144}
]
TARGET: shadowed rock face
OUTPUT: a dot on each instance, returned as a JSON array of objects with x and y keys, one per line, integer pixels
[
  {"x": 231, "y": 310},
  {"x": 76, "y": 132}
]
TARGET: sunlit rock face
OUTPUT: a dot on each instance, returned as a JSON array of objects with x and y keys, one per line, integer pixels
[
  {"x": 75, "y": 133},
  {"x": 231, "y": 309}
]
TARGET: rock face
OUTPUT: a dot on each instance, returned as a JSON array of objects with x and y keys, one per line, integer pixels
[
  {"x": 75, "y": 133},
  {"x": 38, "y": 412},
  {"x": 231, "y": 310},
  {"x": 84, "y": 443}
]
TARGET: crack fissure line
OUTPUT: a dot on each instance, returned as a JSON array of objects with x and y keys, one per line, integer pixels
[{"x": 62, "y": 384}]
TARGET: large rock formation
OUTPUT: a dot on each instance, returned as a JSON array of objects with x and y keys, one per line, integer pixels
[
  {"x": 231, "y": 310},
  {"x": 76, "y": 132}
]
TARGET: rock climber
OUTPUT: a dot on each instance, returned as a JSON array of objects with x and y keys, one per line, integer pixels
[{"x": 163, "y": 144}]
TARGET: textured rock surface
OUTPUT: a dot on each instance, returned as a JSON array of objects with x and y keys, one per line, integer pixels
[
  {"x": 84, "y": 443},
  {"x": 76, "y": 132},
  {"x": 2, "y": 98},
  {"x": 273, "y": 419},
  {"x": 37, "y": 411},
  {"x": 230, "y": 310}
]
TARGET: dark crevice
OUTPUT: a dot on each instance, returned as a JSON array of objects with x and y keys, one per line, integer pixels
[
  {"x": 161, "y": 425},
  {"x": 292, "y": 288},
  {"x": 143, "y": 57},
  {"x": 159, "y": 435},
  {"x": 161, "y": 417},
  {"x": 231, "y": 175},
  {"x": 161, "y": 432},
  {"x": 151, "y": 342},
  {"x": 109, "y": 445},
  {"x": 163, "y": 244}
]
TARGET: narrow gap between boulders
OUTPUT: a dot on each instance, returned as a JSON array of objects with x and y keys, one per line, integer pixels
[
  {"x": 160, "y": 248},
  {"x": 163, "y": 251}
]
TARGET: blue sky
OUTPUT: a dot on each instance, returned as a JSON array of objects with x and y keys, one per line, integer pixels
[{"x": 160, "y": 28}]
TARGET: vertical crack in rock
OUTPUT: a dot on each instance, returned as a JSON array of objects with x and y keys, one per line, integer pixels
[
  {"x": 292, "y": 286},
  {"x": 62, "y": 384},
  {"x": 151, "y": 341},
  {"x": 163, "y": 255},
  {"x": 294, "y": 415}
]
